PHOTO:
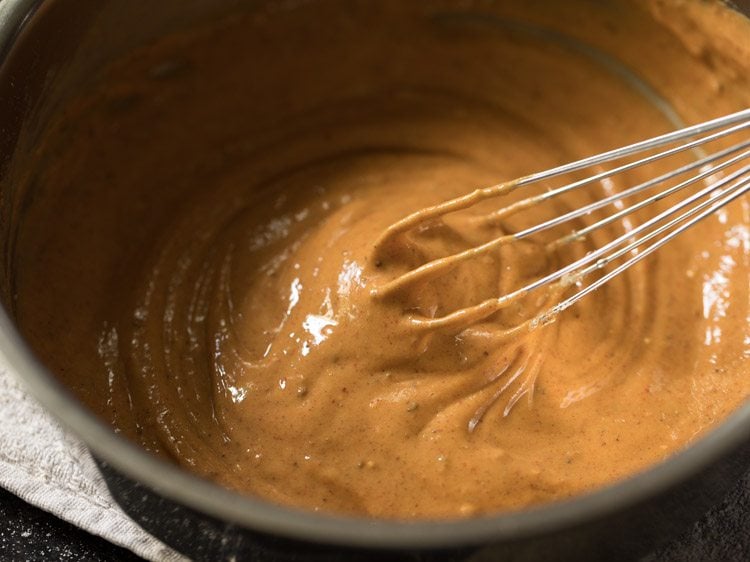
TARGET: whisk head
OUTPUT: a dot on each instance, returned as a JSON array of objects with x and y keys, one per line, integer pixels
[{"x": 700, "y": 169}]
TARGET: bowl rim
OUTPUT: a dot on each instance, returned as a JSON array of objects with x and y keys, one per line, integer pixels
[{"x": 209, "y": 498}]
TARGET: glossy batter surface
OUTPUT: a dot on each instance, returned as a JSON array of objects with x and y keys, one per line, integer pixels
[{"x": 203, "y": 252}]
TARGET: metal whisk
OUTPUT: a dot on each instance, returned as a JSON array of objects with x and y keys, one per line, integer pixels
[{"x": 724, "y": 175}]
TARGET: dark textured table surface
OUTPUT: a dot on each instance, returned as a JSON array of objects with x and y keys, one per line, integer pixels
[{"x": 27, "y": 533}]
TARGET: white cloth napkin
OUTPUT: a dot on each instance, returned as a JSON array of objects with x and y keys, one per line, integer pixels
[{"x": 48, "y": 467}]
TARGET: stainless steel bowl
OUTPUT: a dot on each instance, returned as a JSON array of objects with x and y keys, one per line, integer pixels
[{"x": 47, "y": 49}]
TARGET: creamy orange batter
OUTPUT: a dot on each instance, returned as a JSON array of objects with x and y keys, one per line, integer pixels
[{"x": 198, "y": 260}]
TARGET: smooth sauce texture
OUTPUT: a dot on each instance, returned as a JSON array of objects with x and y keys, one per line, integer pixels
[{"x": 213, "y": 274}]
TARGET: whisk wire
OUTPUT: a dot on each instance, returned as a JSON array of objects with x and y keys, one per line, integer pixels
[
  {"x": 530, "y": 201},
  {"x": 741, "y": 117}
]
